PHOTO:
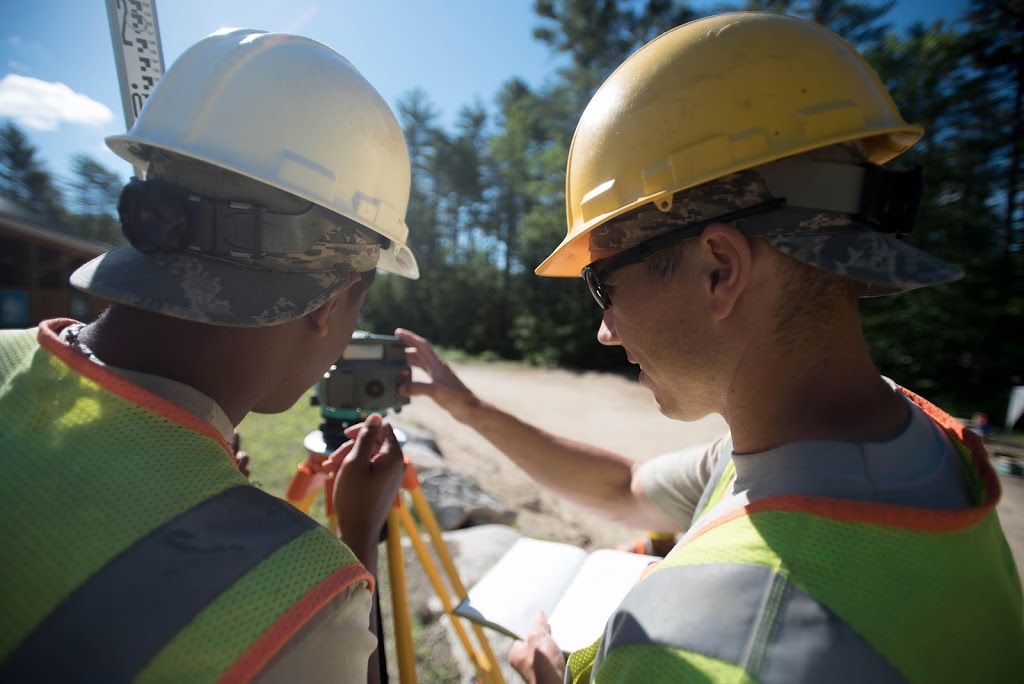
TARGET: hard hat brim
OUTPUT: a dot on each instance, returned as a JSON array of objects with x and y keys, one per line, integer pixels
[{"x": 205, "y": 289}]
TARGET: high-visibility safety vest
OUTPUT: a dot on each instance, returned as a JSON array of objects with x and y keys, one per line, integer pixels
[
  {"x": 131, "y": 548},
  {"x": 804, "y": 588}
]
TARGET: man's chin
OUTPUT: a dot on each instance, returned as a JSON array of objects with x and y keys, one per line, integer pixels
[
  {"x": 260, "y": 410},
  {"x": 648, "y": 384},
  {"x": 674, "y": 411},
  {"x": 272, "y": 405}
]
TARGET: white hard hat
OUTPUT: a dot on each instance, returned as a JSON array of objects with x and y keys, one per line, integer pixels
[{"x": 289, "y": 112}]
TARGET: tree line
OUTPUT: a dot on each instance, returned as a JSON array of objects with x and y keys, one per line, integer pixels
[
  {"x": 487, "y": 201},
  {"x": 86, "y": 203}
]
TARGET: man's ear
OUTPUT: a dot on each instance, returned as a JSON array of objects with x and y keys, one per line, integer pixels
[
  {"x": 726, "y": 261},
  {"x": 320, "y": 317}
]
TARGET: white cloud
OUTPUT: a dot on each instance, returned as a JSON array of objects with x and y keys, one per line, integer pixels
[
  {"x": 45, "y": 105},
  {"x": 18, "y": 66},
  {"x": 14, "y": 41}
]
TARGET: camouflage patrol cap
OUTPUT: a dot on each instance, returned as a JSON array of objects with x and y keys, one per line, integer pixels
[
  {"x": 834, "y": 239},
  {"x": 244, "y": 255}
]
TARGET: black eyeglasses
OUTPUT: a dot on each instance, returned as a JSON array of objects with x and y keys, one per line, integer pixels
[{"x": 597, "y": 273}]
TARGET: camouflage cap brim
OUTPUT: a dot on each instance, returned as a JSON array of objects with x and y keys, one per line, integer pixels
[
  {"x": 207, "y": 290},
  {"x": 880, "y": 263},
  {"x": 689, "y": 208}
]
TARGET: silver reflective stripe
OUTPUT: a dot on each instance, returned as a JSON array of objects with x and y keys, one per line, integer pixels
[
  {"x": 747, "y": 615},
  {"x": 724, "y": 456},
  {"x": 115, "y": 623}
]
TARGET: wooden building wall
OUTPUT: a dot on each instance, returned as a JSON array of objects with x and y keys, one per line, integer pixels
[{"x": 34, "y": 272}]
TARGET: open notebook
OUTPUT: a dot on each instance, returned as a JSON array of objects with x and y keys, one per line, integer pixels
[{"x": 576, "y": 590}]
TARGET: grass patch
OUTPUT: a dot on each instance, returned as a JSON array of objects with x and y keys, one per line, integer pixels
[
  {"x": 1012, "y": 438},
  {"x": 274, "y": 445}
]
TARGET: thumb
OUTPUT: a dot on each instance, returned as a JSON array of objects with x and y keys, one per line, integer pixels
[{"x": 367, "y": 441}]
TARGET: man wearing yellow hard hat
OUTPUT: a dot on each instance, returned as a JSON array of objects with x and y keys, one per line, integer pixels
[{"x": 727, "y": 207}]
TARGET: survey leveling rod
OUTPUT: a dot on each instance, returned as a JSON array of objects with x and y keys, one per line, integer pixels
[{"x": 137, "y": 53}]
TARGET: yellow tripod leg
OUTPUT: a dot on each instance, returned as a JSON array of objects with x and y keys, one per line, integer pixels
[
  {"x": 486, "y": 670},
  {"x": 303, "y": 504},
  {"x": 400, "y": 599},
  {"x": 426, "y": 515}
]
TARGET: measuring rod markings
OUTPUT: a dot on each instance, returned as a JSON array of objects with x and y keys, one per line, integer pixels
[{"x": 137, "y": 52}]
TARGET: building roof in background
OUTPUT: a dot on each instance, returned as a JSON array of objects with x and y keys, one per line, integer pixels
[{"x": 19, "y": 220}]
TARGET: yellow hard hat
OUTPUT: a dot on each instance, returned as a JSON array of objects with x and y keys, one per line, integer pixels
[{"x": 712, "y": 97}]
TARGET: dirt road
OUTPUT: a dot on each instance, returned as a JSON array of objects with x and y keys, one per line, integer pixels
[{"x": 612, "y": 411}]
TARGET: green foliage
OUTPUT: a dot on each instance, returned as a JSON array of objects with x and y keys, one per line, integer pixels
[
  {"x": 274, "y": 444},
  {"x": 23, "y": 177},
  {"x": 958, "y": 343},
  {"x": 94, "y": 190}
]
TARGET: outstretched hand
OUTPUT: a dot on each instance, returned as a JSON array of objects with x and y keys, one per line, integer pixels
[
  {"x": 444, "y": 387},
  {"x": 369, "y": 470},
  {"x": 538, "y": 659}
]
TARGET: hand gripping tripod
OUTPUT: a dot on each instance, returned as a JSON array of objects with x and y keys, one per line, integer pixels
[{"x": 302, "y": 491}]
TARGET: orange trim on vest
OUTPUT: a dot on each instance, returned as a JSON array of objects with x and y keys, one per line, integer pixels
[
  {"x": 264, "y": 648},
  {"x": 49, "y": 338},
  {"x": 889, "y": 515},
  {"x": 971, "y": 440},
  {"x": 651, "y": 567}
]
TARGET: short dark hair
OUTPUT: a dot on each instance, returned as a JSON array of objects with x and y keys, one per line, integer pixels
[
  {"x": 666, "y": 262},
  {"x": 809, "y": 296}
]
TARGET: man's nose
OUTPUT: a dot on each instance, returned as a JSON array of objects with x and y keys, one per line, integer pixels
[{"x": 606, "y": 333}]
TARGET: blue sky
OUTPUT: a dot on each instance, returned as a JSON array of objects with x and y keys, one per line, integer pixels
[{"x": 58, "y": 79}]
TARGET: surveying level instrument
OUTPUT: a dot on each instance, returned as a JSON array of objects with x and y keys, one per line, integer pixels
[{"x": 364, "y": 381}]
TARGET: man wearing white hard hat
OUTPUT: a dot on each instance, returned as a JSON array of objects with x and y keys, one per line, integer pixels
[{"x": 277, "y": 181}]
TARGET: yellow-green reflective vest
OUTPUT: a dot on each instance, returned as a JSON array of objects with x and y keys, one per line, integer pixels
[
  {"x": 813, "y": 589},
  {"x": 132, "y": 548}
]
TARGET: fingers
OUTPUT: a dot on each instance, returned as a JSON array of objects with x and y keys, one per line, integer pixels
[
  {"x": 333, "y": 462},
  {"x": 417, "y": 389},
  {"x": 538, "y": 658},
  {"x": 540, "y": 624},
  {"x": 367, "y": 442},
  {"x": 415, "y": 358},
  {"x": 242, "y": 461},
  {"x": 389, "y": 461},
  {"x": 384, "y": 438},
  {"x": 352, "y": 431},
  {"x": 364, "y": 441},
  {"x": 419, "y": 351},
  {"x": 390, "y": 450},
  {"x": 410, "y": 338}
]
